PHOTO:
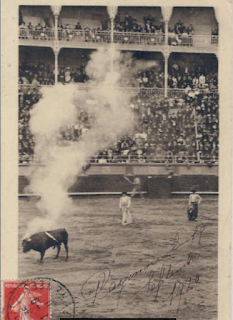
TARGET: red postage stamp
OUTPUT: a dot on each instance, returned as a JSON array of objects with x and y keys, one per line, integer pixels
[{"x": 26, "y": 300}]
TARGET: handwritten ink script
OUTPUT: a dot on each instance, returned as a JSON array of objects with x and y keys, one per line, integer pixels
[{"x": 162, "y": 277}]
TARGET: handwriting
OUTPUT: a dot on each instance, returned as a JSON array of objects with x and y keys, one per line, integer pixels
[
  {"x": 100, "y": 284},
  {"x": 153, "y": 288},
  {"x": 101, "y": 278},
  {"x": 178, "y": 290}
]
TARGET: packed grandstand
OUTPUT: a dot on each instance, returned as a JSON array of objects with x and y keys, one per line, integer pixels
[{"x": 177, "y": 119}]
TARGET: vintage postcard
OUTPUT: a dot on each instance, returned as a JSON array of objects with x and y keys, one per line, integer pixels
[{"x": 116, "y": 159}]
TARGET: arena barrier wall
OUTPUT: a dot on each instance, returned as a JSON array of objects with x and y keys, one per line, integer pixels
[{"x": 158, "y": 181}]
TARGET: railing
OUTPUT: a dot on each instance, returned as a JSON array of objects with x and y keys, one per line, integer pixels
[
  {"x": 176, "y": 93},
  {"x": 105, "y": 36},
  {"x": 83, "y": 35},
  {"x": 139, "y": 38},
  {"x": 152, "y": 159},
  {"x": 214, "y": 40},
  {"x": 179, "y": 93},
  {"x": 129, "y": 159},
  {"x": 180, "y": 40},
  {"x": 94, "y": 36},
  {"x": 43, "y": 35},
  {"x": 192, "y": 40},
  {"x": 159, "y": 92}
]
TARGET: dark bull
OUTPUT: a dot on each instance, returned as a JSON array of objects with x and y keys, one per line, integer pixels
[{"x": 42, "y": 241}]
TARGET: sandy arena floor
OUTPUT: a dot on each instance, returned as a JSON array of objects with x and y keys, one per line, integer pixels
[{"x": 160, "y": 266}]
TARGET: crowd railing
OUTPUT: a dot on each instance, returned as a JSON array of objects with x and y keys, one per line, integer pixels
[
  {"x": 159, "y": 92},
  {"x": 83, "y": 35},
  {"x": 105, "y": 36},
  {"x": 42, "y": 35},
  {"x": 130, "y": 159},
  {"x": 139, "y": 38},
  {"x": 192, "y": 40},
  {"x": 96, "y": 36},
  {"x": 214, "y": 40},
  {"x": 180, "y": 40}
]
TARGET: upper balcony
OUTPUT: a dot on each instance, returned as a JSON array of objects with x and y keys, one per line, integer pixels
[
  {"x": 92, "y": 38},
  {"x": 189, "y": 29}
]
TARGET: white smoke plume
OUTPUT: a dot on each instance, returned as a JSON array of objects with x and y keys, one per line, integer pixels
[
  {"x": 107, "y": 107},
  {"x": 134, "y": 65},
  {"x": 130, "y": 66}
]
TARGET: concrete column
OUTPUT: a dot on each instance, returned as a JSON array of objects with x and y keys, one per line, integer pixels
[
  {"x": 166, "y": 13},
  {"x": 56, "y": 51},
  {"x": 56, "y": 28},
  {"x": 56, "y": 67},
  {"x": 166, "y": 32},
  {"x": 56, "y": 12},
  {"x": 112, "y": 12},
  {"x": 166, "y": 55},
  {"x": 166, "y": 77},
  {"x": 112, "y": 30}
]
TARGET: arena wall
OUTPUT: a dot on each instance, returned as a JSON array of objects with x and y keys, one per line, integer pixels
[{"x": 159, "y": 180}]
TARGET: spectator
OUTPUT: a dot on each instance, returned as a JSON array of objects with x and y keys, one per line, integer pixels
[
  {"x": 102, "y": 160},
  {"x": 215, "y": 31},
  {"x": 181, "y": 35},
  {"x": 190, "y": 30},
  {"x": 78, "y": 26},
  {"x": 202, "y": 81},
  {"x": 165, "y": 134}
]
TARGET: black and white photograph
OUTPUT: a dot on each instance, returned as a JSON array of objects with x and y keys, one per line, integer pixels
[{"x": 118, "y": 155}]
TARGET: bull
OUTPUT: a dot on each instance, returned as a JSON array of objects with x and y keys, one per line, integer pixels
[{"x": 42, "y": 241}]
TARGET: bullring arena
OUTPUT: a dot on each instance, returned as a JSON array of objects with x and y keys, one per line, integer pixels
[
  {"x": 98, "y": 242},
  {"x": 160, "y": 124}
]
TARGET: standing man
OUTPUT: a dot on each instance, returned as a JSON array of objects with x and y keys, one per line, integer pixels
[
  {"x": 124, "y": 206},
  {"x": 194, "y": 201},
  {"x": 137, "y": 186}
]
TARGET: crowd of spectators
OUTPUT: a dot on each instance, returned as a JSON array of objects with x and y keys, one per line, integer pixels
[
  {"x": 166, "y": 135},
  {"x": 181, "y": 35},
  {"x": 197, "y": 79},
  {"x": 130, "y": 24},
  {"x": 68, "y": 32},
  {"x": 36, "y": 74},
  {"x": 207, "y": 121},
  {"x": 178, "y": 78},
  {"x": 127, "y": 24},
  {"x": 26, "y": 141},
  {"x": 101, "y": 34},
  {"x": 72, "y": 74},
  {"x": 150, "y": 78},
  {"x": 43, "y": 74},
  {"x": 181, "y": 130},
  {"x": 37, "y": 32},
  {"x": 126, "y": 30}
]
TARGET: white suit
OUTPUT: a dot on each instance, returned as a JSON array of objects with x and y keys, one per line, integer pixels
[{"x": 124, "y": 206}]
